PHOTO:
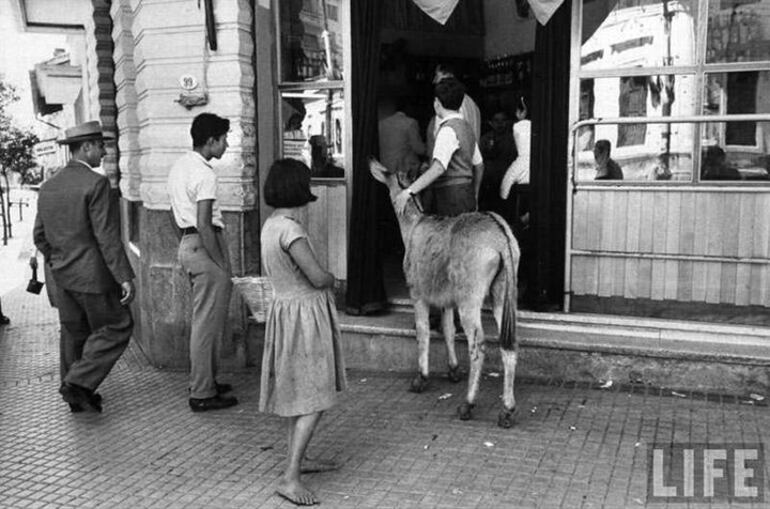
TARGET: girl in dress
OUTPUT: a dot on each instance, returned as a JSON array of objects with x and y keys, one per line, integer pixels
[{"x": 302, "y": 367}]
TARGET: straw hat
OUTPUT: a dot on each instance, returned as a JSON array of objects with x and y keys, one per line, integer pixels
[{"x": 86, "y": 131}]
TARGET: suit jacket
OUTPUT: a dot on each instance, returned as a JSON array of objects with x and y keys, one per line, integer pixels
[{"x": 78, "y": 231}]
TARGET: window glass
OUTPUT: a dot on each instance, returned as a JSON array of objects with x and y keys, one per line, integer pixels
[
  {"x": 634, "y": 33},
  {"x": 736, "y": 150},
  {"x": 311, "y": 40},
  {"x": 656, "y": 151},
  {"x": 736, "y": 31},
  {"x": 312, "y": 123},
  {"x": 656, "y": 160}
]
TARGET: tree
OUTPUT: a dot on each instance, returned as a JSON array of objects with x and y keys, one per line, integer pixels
[
  {"x": 16, "y": 144},
  {"x": 16, "y": 151}
]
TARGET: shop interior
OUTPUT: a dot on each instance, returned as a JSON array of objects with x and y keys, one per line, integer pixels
[{"x": 488, "y": 44}]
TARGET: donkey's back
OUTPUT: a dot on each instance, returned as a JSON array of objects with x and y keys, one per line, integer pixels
[{"x": 450, "y": 261}]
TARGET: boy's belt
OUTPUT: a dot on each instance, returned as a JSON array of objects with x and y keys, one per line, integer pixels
[{"x": 191, "y": 229}]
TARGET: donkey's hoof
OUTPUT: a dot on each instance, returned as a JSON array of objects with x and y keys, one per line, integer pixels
[
  {"x": 419, "y": 383},
  {"x": 505, "y": 418},
  {"x": 465, "y": 411},
  {"x": 454, "y": 374}
]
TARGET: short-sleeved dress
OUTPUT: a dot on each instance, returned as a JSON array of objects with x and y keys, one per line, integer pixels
[{"x": 302, "y": 365}]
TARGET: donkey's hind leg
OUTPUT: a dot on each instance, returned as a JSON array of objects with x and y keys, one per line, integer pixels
[
  {"x": 422, "y": 325},
  {"x": 470, "y": 316},
  {"x": 510, "y": 357},
  {"x": 448, "y": 328},
  {"x": 497, "y": 291}
]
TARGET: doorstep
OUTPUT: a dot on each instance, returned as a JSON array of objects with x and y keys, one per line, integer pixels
[{"x": 685, "y": 355}]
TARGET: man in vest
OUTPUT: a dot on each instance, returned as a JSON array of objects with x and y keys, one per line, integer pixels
[{"x": 456, "y": 168}]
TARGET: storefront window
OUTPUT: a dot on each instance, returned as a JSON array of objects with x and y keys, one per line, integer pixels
[
  {"x": 622, "y": 38},
  {"x": 736, "y": 150},
  {"x": 310, "y": 41},
  {"x": 638, "y": 33},
  {"x": 312, "y": 105},
  {"x": 646, "y": 151},
  {"x": 737, "y": 31},
  {"x": 312, "y": 130}
]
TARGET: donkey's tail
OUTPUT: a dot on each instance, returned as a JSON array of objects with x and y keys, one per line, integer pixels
[{"x": 510, "y": 257}]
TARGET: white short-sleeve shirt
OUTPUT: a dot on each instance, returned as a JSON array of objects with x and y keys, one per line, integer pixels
[
  {"x": 192, "y": 179},
  {"x": 447, "y": 143}
]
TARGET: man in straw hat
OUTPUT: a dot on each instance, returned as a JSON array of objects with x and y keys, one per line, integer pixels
[{"x": 78, "y": 232}]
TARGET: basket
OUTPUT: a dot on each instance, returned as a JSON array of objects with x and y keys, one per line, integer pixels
[{"x": 258, "y": 293}]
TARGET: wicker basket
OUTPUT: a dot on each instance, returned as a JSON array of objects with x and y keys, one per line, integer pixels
[{"x": 258, "y": 293}]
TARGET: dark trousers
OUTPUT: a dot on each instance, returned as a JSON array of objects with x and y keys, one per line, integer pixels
[
  {"x": 452, "y": 200},
  {"x": 95, "y": 330}
]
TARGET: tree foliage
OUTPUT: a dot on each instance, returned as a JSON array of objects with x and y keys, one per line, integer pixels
[{"x": 16, "y": 144}]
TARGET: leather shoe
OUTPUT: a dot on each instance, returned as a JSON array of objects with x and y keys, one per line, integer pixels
[
  {"x": 214, "y": 403},
  {"x": 223, "y": 388},
  {"x": 76, "y": 408},
  {"x": 81, "y": 397}
]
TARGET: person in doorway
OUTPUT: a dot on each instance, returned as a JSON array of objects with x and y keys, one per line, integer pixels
[
  {"x": 302, "y": 365},
  {"x": 399, "y": 134},
  {"x": 499, "y": 151},
  {"x": 518, "y": 171},
  {"x": 78, "y": 232},
  {"x": 192, "y": 189},
  {"x": 456, "y": 168},
  {"x": 468, "y": 110},
  {"x": 606, "y": 167}
]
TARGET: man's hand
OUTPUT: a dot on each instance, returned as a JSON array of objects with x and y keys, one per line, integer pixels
[
  {"x": 33, "y": 262},
  {"x": 127, "y": 292},
  {"x": 401, "y": 200}
]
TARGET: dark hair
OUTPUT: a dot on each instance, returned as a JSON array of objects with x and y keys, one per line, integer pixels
[
  {"x": 208, "y": 125},
  {"x": 450, "y": 93},
  {"x": 603, "y": 146},
  {"x": 288, "y": 184},
  {"x": 76, "y": 145}
]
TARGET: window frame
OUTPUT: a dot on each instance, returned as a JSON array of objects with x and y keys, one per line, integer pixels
[
  {"x": 699, "y": 71},
  {"x": 341, "y": 85}
]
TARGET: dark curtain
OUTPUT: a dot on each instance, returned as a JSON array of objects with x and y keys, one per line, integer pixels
[
  {"x": 548, "y": 174},
  {"x": 365, "y": 291}
]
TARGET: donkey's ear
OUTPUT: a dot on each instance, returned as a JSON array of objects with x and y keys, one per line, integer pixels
[{"x": 378, "y": 171}]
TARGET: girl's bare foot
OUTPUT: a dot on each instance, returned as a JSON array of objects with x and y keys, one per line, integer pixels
[{"x": 295, "y": 492}]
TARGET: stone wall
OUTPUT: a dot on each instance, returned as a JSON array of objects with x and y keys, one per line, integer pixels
[{"x": 157, "y": 42}]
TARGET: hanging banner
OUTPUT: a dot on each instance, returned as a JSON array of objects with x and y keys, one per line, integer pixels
[
  {"x": 440, "y": 10},
  {"x": 544, "y": 9}
]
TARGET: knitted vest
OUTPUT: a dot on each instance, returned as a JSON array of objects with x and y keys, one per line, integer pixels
[{"x": 460, "y": 170}]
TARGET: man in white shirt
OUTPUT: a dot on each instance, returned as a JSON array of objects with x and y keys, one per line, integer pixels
[
  {"x": 456, "y": 168},
  {"x": 192, "y": 189}
]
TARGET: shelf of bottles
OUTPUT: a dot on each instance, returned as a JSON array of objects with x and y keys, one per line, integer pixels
[{"x": 509, "y": 71}]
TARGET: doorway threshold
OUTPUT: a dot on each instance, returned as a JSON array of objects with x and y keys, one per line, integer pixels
[{"x": 597, "y": 333}]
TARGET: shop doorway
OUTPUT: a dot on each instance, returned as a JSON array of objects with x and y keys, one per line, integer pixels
[{"x": 488, "y": 45}]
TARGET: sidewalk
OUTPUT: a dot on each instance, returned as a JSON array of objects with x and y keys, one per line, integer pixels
[{"x": 573, "y": 445}]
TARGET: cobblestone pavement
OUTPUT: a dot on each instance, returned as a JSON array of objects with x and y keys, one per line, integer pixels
[{"x": 572, "y": 446}]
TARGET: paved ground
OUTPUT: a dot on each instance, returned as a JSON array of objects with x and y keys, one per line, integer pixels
[{"x": 572, "y": 446}]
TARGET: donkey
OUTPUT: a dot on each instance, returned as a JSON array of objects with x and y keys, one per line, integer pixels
[{"x": 454, "y": 262}]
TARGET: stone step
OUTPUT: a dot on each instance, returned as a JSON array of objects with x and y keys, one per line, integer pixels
[{"x": 678, "y": 354}]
